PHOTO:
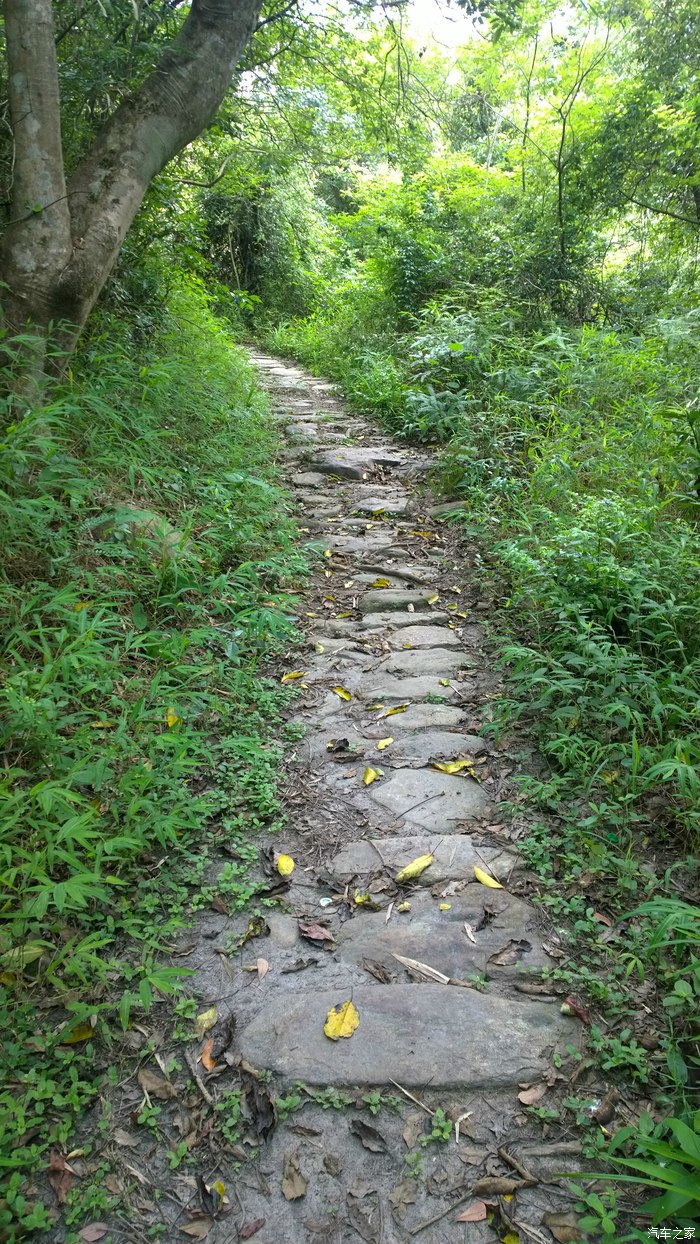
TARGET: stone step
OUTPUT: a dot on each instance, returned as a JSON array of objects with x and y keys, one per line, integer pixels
[
  {"x": 357, "y": 461},
  {"x": 439, "y": 1035},
  {"x": 421, "y": 661},
  {"x": 419, "y": 747},
  {"x": 506, "y": 942},
  {"x": 426, "y": 799},
  {"x": 390, "y": 600},
  {"x": 423, "y": 637},
  {"x": 454, "y": 859}
]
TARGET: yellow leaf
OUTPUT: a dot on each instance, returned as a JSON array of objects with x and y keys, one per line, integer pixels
[
  {"x": 486, "y": 879},
  {"x": 107, "y": 725},
  {"x": 391, "y": 712},
  {"x": 414, "y": 869},
  {"x": 511, "y": 1238},
  {"x": 380, "y": 583},
  {"x": 171, "y": 717},
  {"x": 384, "y": 743},
  {"x": 370, "y": 775},
  {"x": 292, "y": 675},
  {"x": 319, "y": 648},
  {"x": 445, "y": 906},
  {"x": 330, "y": 598},
  {"x": 433, "y": 598},
  {"x": 363, "y": 899},
  {"x": 342, "y": 692},
  {"x": 7, "y": 979},
  {"x": 460, "y": 614},
  {"x": 219, "y": 1187},
  {"x": 444, "y": 682},
  {"x": 285, "y": 865},
  {"x": 205, "y": 1021},
  {"x": 80, "y": 605},
  {"x": 349, "y": 583},
  {"x": 402, "y": 907},
  {"x": 84, "y": 1032},
  {"x": 454, "y": 766},
  {"x": 328, "y": 574},
  {"x": 456, "y": 589},
  {"x": 344, "y": 615},
  {"x": 327, "y": 552},
  {"x": 341, "y": 1021},
  {"x": 427, "y": 535}
]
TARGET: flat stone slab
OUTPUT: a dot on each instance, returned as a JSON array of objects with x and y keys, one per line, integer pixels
[
  {"x": 382, "y": 505},
  {"x": 309, "y": 479},
  {"x": 422, "y": 746},
  {"x": 356, "y": 462},
  {"x": 380, "y": 688},
  {"x": 438, "y": 937},
  {"x": 388, "y": 600},
  {"x": 454, "y": 858},
  {"x": 423, "y": 637},
  {"x": 423, "y": 661},
  {"x": 417, "y": 1034},
  {"x": 423, "y": 717},
  {"x": 379, "y": 621}
]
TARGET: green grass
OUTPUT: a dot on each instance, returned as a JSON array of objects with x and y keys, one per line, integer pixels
[{"x": 148, "y": 557}]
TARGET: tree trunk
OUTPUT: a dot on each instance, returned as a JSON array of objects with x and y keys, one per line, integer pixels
[{"x": 63, "y": 239}]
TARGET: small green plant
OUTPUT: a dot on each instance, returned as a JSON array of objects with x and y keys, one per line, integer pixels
[
  {"x": 287, "y": 1105},
  {"x": 441, "y": 1132},
  {"x": 330, "y": 1098}
]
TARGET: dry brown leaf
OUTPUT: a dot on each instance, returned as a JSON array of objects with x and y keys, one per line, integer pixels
[
  {"x": 379, "y": 972},
  {"x": 476, "y": 1212},
  {"x": 263, "y": 968},
  {"x": 94, "y": 1231},
  {"x": 332, "y": 1164},
  {"x": 293, "y": 1182},
  {"x": 315, "y": 932},
  {"x": 563, "y": 1227},
  {"x": 207, "y": 1061},
  {"x": 125, "y": 1139},
  {"x": 530, "y": 1096},
  {"x": 498, "y": 1185},
  {"x": 60, "y": 1176},
  {"x": 155, "y": 1086},
  {"x": 199, "y": 1229},
  {"x": 249, "y": 1229},
  {"x": 510, "y": 954},
  {"x": 405, "y": 1193},
  {"x": 369, "y": 1136},
  {"x": 413, "y": 1128}
]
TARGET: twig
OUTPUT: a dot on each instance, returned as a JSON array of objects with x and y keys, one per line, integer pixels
[
  {"x": 189, "y": 1057},
  {"x": 517, "y": 1166},
  {"x": 412, "y": 1098},
  {"x": 443, "y": 1214}
]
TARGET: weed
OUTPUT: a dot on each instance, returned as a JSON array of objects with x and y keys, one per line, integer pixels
[{"x": 441, "y": 1131}]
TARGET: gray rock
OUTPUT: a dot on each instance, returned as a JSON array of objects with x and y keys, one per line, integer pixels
[
  {"x": 309, "y": 479},
  {"x": 355, "y": 463},
  {"x": 426, "y": 745},
  {"x": 424, "y": 717},
  {"x": 386, "y": 600},
  {"x": 445, "y": 508},
  {"x": 438, "y": 937},
  {"x": 378, "y": 687},
  {"x": 284, "y": 930},
  {"x": 420, "y": 661},
  {"x": 424, "y": 637},
  {"x": 442, "y": 798},
  {"x": 378, "y": 621},
  {"x": 454, "y": 858},
  {"x": 382, "y": 505},
  {"x": 415, "y": 1034}
]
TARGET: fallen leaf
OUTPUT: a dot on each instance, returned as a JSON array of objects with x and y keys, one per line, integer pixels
[
  {"x": 261, "y": 1106},
  {"x": 292, "y": 675},
  {"x": 423, "y": 969},
  {"x": 219, "y": 904},
  {"x": 405, "y": 1193},
  {"x": 469, "y": 932},
  {"x": 299, "y": 965},
  {"x": 19, "y": 957},
  {"x": 498, "y": 1185},
  {"x": 369, "y": 1136},
  {"x": 378, "y": 971},
  {"x": 154, "y": 1085},
  {"x": 605, "y": 1112},
  {"x": 563, "y": 1227},
  {"x": 380, "y": 583},
  {"x": 205, "y": 1021},
  {"x": 370, "y": 775},
  {"x": 571, "y": 1006},
  {"x": 207, "y": 1061},
  {"x": 510, "y": 954},
  {"x": 391, "y": 712},
  {"x": 317, "y": 648},
  {"x": 94, "y": 1231},
  {"x": 413, "y": 1128},
  {"x": 60, "y": 1176},
  {"x": 84, "y": 1032},
  {"x": 476, "y": 1212},
  {"x": 285, "y": 865},
  {"x": 486, "y": 879},
  {"x": 384, "y": 743},
  {"x": 249, "y": 1229},
  {"x": 125, "y": 1139},
  {"x": 455, "y": 766},
  {"x": 414, "y": 869},
  {"x": 332, "y": 1164},
  {"x": 402, "y": 907},
  {"x": 342, "y": 692},
  {"x": 315, "y": 932},
  {"x": 445, "y": 906},
  {"x": 444, "y": 682},
  {"x": 341, "y": 1021},
  {"x": 293, "y": 1182},
  {"x": 171, "y": 717},
  {"x": 257, "y": 927},
  {"x": 263, "y": 968},
  {"x": 530, "y": 1096},
  {"x": 199, "y": 1229},
  {"x": 433, "y": 598}
]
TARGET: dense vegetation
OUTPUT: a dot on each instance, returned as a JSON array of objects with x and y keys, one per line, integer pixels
[{"x": 494, "y": 248}]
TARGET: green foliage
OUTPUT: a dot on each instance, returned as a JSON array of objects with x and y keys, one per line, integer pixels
[{"x": 148, "y": 559}]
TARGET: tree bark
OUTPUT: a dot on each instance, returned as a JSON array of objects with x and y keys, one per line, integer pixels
[{"x": 64, "y": 238}]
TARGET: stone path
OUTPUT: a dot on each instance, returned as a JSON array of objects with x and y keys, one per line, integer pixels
[{"x": 395, "y": 651}]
